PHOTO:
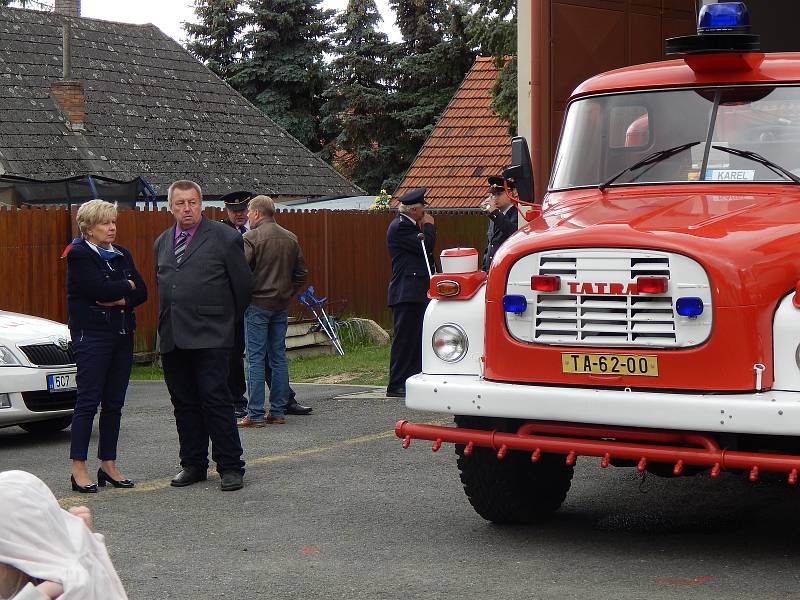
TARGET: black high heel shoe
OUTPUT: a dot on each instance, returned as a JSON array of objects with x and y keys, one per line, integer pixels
[
  {"x": 83, "y": 489},
  {"x": 103, "y": 478}
]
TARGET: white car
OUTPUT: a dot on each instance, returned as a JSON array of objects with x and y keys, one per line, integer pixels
[{"x": 37, "y": 373}]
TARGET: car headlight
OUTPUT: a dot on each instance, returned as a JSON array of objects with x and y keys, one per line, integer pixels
[
  {"x": 450, "y": 343},
  {"x": 7, "y": 358}
]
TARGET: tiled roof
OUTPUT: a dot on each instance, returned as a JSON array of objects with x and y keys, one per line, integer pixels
[
  {"x": 151, "y": 109},
  {"x": 468, "y": 144}
]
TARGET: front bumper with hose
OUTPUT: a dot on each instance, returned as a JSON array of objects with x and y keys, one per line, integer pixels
[
  {"x": 766, "y": 413},
  {"x": 608, "y": 443}
]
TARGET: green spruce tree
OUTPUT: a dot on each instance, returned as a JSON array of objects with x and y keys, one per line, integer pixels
[
  {"x": 356, "y": 109},
  {"x": 215, "y": 39},
  {"x": 432, "y": 60},
  {"x": 493, "y": 28},
  {"x": 283, "y": 72}
]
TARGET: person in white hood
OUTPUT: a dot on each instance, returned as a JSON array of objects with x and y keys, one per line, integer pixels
[{"x": 47, "y": 552}]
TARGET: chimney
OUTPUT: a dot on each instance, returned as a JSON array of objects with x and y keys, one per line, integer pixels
[
  {"x": 68, "y": 8},
  {"x": 70, "y": 98},
  {"x": 68, "y": 93}
]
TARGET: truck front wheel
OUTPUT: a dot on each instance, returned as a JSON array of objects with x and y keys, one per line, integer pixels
[{"x": 513, "y": 490}]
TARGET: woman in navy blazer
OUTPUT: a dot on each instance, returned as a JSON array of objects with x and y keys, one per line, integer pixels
[{"x": 103, "y": 287}]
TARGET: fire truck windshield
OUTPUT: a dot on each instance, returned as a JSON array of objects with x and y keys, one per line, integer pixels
[{"x": 749, "y": 134}]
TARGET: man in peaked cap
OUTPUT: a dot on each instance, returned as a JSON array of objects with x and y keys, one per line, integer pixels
[
  {"x": 236, "y": 209},
  {"x": 408, "y": 288},
  {"x": 502, "y": 215}
]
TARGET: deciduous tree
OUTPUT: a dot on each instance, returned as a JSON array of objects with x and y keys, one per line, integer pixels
[
  {"x": 432, "y": 60},
  {"x": 493, "y": 28}
]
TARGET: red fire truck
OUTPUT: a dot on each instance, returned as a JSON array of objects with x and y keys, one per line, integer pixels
[{"x": 648, "y": 313}]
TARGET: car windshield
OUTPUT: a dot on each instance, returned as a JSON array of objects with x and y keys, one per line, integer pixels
[{"x": 605, "y": 138}]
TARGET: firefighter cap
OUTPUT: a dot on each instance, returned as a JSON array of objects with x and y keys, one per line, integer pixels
[
  {"x": 496, "y": 184},
  {"x": 415, "y": 196},
  {"x": 237, "y": 200}
]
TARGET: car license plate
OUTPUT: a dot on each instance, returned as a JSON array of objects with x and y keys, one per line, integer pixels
[
  {"x": 609, "y": 364},
  {"x": 61, "y": 382}
]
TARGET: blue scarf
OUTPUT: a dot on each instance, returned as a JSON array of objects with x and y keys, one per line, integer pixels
[{"x": 106, "y": 255}]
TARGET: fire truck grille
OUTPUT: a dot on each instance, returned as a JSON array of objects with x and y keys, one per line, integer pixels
[{"x": 598, "y": 303}]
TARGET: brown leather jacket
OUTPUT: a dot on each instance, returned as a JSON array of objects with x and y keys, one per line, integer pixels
[{"x": 277, "y": 262}]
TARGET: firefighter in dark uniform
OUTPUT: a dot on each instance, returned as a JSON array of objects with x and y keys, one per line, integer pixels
[
  {"x": 236, "y": 210},
  {"x": 502, "y": 215},
  {"x": 408, "y": 288}
]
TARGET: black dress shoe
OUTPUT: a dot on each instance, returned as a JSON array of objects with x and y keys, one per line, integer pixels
[
  {"x": 231, "y": 481},
  {"x": 294, "y": 408},
  {"x": 83, "y": 489},
  {"x": 188, "y": 476},
  {"x": 103, "y": 478},
  {"x": 395, "y": 393}
]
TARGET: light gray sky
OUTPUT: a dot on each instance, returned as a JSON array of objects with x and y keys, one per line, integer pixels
[{"x": 168, "y": 15}]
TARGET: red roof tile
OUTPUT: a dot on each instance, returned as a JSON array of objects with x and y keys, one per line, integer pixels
[{"x": 468, "y": 144}]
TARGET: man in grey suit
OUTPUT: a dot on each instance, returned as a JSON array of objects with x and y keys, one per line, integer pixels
[{"x": 204, "y": 285}]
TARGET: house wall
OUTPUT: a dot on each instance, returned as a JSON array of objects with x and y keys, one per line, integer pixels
[
  {"x": 776, "y": 22},
  {"x": 345, "y": 250},
  {"x": 563, "y": 42}
]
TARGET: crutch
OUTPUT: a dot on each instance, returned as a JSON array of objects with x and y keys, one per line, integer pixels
[
  {"x": 304, "y": 300},
  {"x": 328, "y": 320}
]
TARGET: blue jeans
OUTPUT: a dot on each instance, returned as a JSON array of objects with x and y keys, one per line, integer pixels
[{"x": 265, "y": 338}]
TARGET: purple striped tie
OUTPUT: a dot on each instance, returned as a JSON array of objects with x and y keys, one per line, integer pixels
[{"x": 180, "y": 246}]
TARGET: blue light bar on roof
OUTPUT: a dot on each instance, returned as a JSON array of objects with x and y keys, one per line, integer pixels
[
  {"x": 723, "y": 17},
  {"x": 722, "y": 27}
]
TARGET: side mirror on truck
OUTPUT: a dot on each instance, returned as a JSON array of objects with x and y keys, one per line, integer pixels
[{"x": 521, "y": 170}]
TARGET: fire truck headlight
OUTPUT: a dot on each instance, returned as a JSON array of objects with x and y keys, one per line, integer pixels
[{"x": 450, "y": 343}]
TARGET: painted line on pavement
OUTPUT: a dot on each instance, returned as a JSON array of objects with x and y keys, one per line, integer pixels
[{"x": 154, "y": 485}]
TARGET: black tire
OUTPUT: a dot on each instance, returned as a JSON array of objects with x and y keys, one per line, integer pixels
[
  {"x": 47, "y": 426},
  {"x": 512, "y": 490}
]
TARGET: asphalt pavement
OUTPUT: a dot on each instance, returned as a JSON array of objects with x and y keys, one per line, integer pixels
[{"x": 333, "y": 507}]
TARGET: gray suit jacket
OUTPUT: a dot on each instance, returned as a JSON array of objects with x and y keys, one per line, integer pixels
[{"x": 200, "y": 300}]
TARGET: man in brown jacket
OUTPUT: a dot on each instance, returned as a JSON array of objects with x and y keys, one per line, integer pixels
[{"x": 279, "y": 270}]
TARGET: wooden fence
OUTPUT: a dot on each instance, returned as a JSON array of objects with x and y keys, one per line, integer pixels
[{"x": 345, "y": 251}]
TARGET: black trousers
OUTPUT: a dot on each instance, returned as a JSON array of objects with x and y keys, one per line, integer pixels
[
  {"x": 104, "y": 360},
  {"x": 197, "y": 384},
  {"x": 236, "y": 381},
  {"x": 405, "y": 359}
]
